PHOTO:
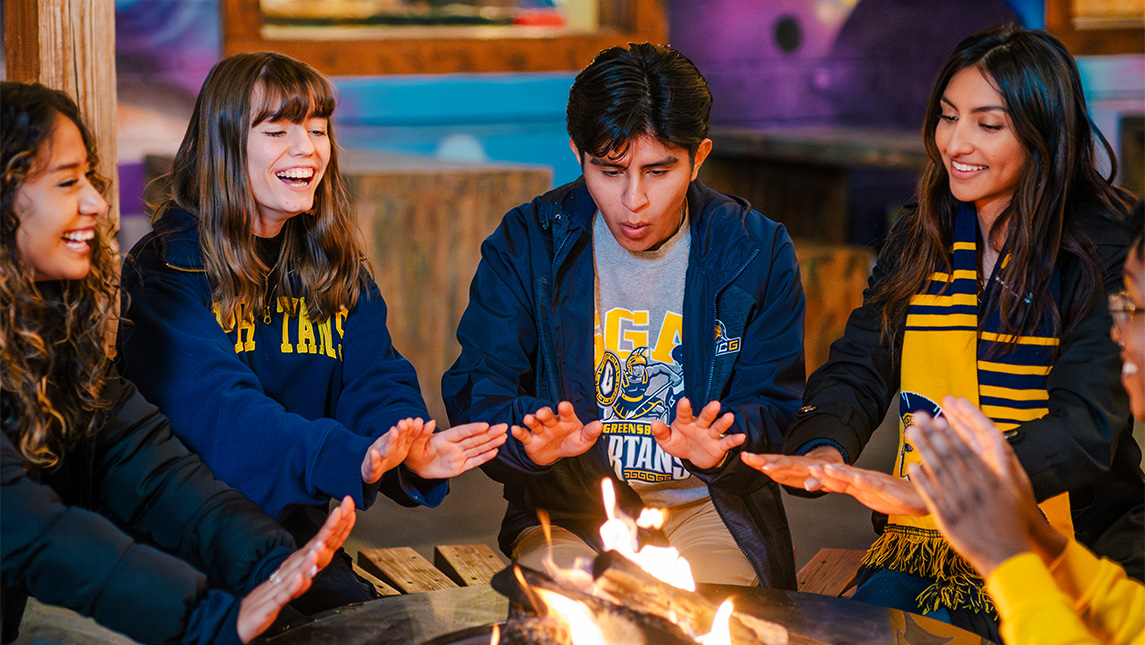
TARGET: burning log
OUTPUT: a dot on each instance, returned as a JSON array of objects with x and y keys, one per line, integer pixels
[
  {"x": 618, "y": 624},
  {"x": 624, "y": 582}
]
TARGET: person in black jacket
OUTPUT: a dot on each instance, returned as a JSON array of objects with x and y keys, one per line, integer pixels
[
  {"x": 993, "y": 288},
  {"x": 102, "y": 510}
]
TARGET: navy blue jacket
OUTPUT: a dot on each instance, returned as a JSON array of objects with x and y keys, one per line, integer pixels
[
  {"x": 282, "y": 409},
  {"x": 527, "y": 342},
  {"x": 132, "y": 530}
]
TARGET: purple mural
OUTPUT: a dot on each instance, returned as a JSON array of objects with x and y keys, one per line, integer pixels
[{"x": 815, "y": 62}]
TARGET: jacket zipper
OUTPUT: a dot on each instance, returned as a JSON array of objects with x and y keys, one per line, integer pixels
[{"x": 557, "y": 385}]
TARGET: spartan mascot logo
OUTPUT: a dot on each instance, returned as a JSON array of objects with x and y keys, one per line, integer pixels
[
  {"x": 911, "y": 403},
  {"x": 725, "y": 345}
]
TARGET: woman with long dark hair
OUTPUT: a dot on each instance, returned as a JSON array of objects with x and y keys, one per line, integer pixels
[
  {"x": 992, "y": 288},
  {"x": 102, "y": 509},
  {"x": 254, "y": 324}
]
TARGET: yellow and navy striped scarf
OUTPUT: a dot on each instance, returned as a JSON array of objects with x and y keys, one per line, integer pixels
[{"x": 945, "y": 352}]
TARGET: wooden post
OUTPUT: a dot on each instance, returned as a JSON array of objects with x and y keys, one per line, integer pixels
[{"x": 69, "y": 45}]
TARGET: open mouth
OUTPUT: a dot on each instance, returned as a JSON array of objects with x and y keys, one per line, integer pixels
[
  {"x": 78, "y": 240},
  {"x": 296, "y": 177}
]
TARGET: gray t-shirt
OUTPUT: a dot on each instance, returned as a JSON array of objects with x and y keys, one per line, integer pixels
[{"x": 639, "y": 353}]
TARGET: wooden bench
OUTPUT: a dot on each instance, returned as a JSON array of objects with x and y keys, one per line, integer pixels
[
  {"x": 831, "y": 572},
  {"x": 401, "y": 570}
]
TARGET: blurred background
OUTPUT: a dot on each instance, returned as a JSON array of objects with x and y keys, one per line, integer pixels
[{"x": 453, "y": 112}]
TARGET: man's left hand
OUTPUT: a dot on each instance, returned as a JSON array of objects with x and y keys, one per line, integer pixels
[{"x": 699, "y": 439}]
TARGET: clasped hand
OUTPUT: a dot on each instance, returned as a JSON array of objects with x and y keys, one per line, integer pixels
[{"x": 429, "y": 454}]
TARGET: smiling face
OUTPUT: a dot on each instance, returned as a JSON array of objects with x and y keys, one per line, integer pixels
[
  {"x": 285, "y": 163},
  {"x": 641, "y": 193},
  {"x": 58, "y": 206},
  {"x": 979, "y": 147},
  {"x": 1129, "y": 332}
]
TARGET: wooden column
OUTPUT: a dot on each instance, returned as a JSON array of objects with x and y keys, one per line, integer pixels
[{"x": 69, "y": 45}]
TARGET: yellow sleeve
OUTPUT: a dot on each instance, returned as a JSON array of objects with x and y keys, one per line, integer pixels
[
  {"x": 1031, "y": 607},
  {"x": 1111, "y": 604}
]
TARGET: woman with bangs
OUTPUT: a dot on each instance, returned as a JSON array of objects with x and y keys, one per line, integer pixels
[
  {"x": 252, "y": 321},
  {"x": 991, "y": 288},
  {"x": 102, "y": 510}
]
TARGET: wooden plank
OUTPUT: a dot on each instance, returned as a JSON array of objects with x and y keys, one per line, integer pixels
[
  {"x": 404, "y": 569},
  {"x": 381, "y": 587},
  {"x": 468, "y": 565},
  {"x": 831, "y": 572}
]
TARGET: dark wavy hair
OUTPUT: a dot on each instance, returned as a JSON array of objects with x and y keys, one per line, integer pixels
[
  {"x": 322, "y": 249},
  {"x": 642, "y": 89},
  {"x": 1038, "y": 79},
  {"x": 53, "y": 364}
]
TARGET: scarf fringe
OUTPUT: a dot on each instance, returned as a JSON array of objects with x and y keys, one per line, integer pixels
[{"x": 924, "y": 553}]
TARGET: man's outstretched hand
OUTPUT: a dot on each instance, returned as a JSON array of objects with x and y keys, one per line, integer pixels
[{"x": 549, "y": 436}]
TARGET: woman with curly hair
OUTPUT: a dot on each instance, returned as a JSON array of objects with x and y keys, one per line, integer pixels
[
  {"x": 992, "y": 288},
  {"x": 102, "y": 510},
  {"x": 254, "y": 323}
]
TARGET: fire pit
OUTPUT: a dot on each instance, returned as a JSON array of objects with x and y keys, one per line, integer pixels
[
  {"x": 466, "y": 616},
  {"x": 628, "y": 595}
]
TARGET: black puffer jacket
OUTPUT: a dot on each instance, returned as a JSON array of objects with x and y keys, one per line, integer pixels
[{"x": 132, "y": 530}]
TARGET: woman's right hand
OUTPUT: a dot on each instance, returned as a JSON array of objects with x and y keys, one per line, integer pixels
[
  {"x": 792, "y": 470},
  {"x": 391, "y": 448},
  {"x": 261, "y": 606}
]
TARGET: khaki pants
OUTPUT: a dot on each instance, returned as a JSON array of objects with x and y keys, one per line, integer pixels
[{"x": 695, "y": 529}]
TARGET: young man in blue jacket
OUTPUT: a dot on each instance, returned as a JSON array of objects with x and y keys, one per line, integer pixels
[{"x": 638, "y": 326}]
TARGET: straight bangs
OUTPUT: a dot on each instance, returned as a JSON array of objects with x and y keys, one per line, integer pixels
[{"x": 290, "y": 94}]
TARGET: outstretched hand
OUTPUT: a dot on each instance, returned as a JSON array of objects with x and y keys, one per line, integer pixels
[
  {"x": 876, "y": 490},
  {"x": 260, "y": 607},
  {"x": 698, "y": 439},
  {"x": 391, "y": 449},
  {"x": 451, "y": 452},
  {"x": 549, "y": 436},
  {"x": 794, "y": 470}
]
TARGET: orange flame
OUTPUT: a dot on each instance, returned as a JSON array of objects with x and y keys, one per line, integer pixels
[
  {"x": 576, "y": 615},
  {"x": 619, "y": 534},
  {"x": 721, "y": 633}
]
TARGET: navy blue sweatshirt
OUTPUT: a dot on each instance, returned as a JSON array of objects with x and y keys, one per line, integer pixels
[{"x": 281, "y": 408}]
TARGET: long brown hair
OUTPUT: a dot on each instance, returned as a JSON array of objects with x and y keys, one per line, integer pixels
[
  {"x": 52, "y": 360},
  {"x": 1038, "y": 79},
  {"x": 321, "y": 249}
]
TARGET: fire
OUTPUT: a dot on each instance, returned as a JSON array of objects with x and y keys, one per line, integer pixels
[
  {"x": 619, "y": 534},
  {"x": 582, "y": 627},
  {"x": 721, "y": 633},
  {"x": 590, "y": 625}
]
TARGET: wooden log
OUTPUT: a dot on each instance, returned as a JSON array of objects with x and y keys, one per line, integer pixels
[
  {"x": 467, "y": 564},
  {"x": 625, "y": 582},
  {"x": 830, "y": 572},
  {"x": 619, "y": 624},
  {"x": 404, "y": 569}
]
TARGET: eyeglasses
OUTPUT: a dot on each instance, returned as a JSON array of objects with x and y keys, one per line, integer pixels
[{"x": 1122, "y": 308}]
